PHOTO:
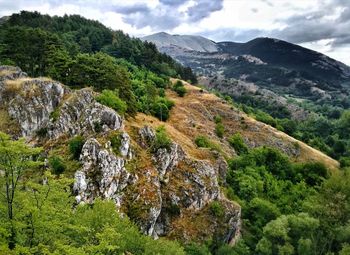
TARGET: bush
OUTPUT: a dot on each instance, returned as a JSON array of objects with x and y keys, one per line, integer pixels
[
  {"x": 202, "y": 141},
  {"x": 216, "y": 209},
  {"x": 97, "y": 127},
  {"x": 57, "y": 165},
  {"x": 116, "y": 142},
  {"x": 179, "y": 88},
  {"x": 42, "y": 132},
  {"x": 161, "y": 140},
  {"x": 196, "y": 249},
  {"x": 344, "y": 161},
  {"x": 111, "y": 99},
  {"x": 220, "y": 130},
  {"x": 236, "y": 141},
  {"x": 217, "y": 119},
  {"x": 75, "y": 146},
  {"x": 161, "y": 108}
]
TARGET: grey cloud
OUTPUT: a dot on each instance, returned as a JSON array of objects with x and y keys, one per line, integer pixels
[
  {"x": 129, "y": 9},
  {"x": 173, "y": 2},
  {"x": 255, "y": 10},
  {"x": 234, "y": 34},
  {"x": 166, "y": 15},
  {"x": 313, "y": 26},
  {"x": 203, "y": 9},
  {"x": 157, "y": 22}
]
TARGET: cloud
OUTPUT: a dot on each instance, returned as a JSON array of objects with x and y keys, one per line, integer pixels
[
  {"x": 235, "y": 34},
  {"x": 330, "y": 22},
  {"x": 167, "y": 15},
  {"x": 203, "y": 8},
  {"x": 130, "y": 9},
  {"x": 173, "y": 2}
]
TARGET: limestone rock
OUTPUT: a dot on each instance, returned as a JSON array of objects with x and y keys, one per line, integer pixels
[
  {"x": 32, "y": 105},
  {"x": 81, "y": 114},
  {"x": 102, "y": 175}
]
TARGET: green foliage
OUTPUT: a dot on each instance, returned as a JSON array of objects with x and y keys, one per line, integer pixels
[
  {"x": 75, "y": 146},
  {"x": 46, "y": 223},
  {"x": 42, "y": 132},
  {"x": 216, "y": 209},
  {"x": 204, "y": 142},
  {"x": 97, "y": 127},
  {"x": 57, "y": 164},
  {"x": 116, "y": 142},
  {"x": 289, "y": 234},
  {"x": 110, "y": 98},
  {"x": 67, "y": 36},
  {"x": 179, "y": 88},
  {"x": 162, "y": 139},
  {"x": 161, "y": 108},
  {"x": 237, "y": 142},
  {"x": 219, "y": 130},
  {"x": 196, "y": 249},
  {"x": 217, "y": 119},
  {"x": 17, "y": 159}
]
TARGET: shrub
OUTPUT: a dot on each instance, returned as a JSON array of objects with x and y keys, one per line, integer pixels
[
  {"x": 217, "y": 119},
  {"x": 196, "y": 249},
  {"x": 111, "y": 99},
  {"x": 75, "y": 146},
  {"x": 179, "y": 88},
  {"x": 216, "y": 209},
  {"x": 344, "y": 161},
  {"x": 236, "y": 141},
  {"x": 202, "y": 141},
  {"x": 116, "y": 142},
  {"x": 161, "y": 140},
  {"x": 55, "y": 114},
  {"x": 57, "y": 164},
  {"x": 42, "y": 132},
  {"x": 161, "y": 108},
  {"x": 220, "y": 130},
  {"x": 97, "y": 127}
]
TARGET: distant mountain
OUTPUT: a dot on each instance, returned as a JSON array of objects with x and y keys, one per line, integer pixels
[
  {"x": 185, "y": 42},
  {"x": 270, "y": 64}
]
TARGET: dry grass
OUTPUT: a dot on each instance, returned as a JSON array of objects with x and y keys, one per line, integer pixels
[
  {"x": 6, "y": 72},
  {"x": 193, "y": 115}
]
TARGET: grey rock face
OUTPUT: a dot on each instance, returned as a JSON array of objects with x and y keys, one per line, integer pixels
[
  {"x": 81, "y": 113},
  {"x": 166, "y": 160},
  {"x": 102, "y": 175},
  {"x": 32, "y": 106},
  {"x": 187, "y": 184},
  {"x": 125, "y": 147}
]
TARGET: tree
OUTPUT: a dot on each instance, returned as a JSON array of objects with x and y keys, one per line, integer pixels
[
  {"x": 289, "y": 234},
  {"x": 16, "y": 158}
]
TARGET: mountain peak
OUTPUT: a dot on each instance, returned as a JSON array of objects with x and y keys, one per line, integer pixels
[{"x": 186, "y": 42}]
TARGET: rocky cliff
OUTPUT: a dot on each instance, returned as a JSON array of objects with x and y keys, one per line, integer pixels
[
  {"x": 166, "y": 190},
  {"x": 163, "y": 190}
]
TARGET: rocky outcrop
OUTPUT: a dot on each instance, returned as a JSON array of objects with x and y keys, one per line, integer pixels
[
  {"x": 102, "y": 175},
  {"x": 186, "y": 184},
  {"x": 80, "y": 113},
  {"x": 33, "y": 102},
  {"x": 46, "y": 106}
]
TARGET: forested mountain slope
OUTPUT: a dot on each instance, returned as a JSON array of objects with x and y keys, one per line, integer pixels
[{"x": 112, "y": 151}]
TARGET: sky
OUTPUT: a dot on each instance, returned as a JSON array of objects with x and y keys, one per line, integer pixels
[{"x": 321, "y": 25}]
